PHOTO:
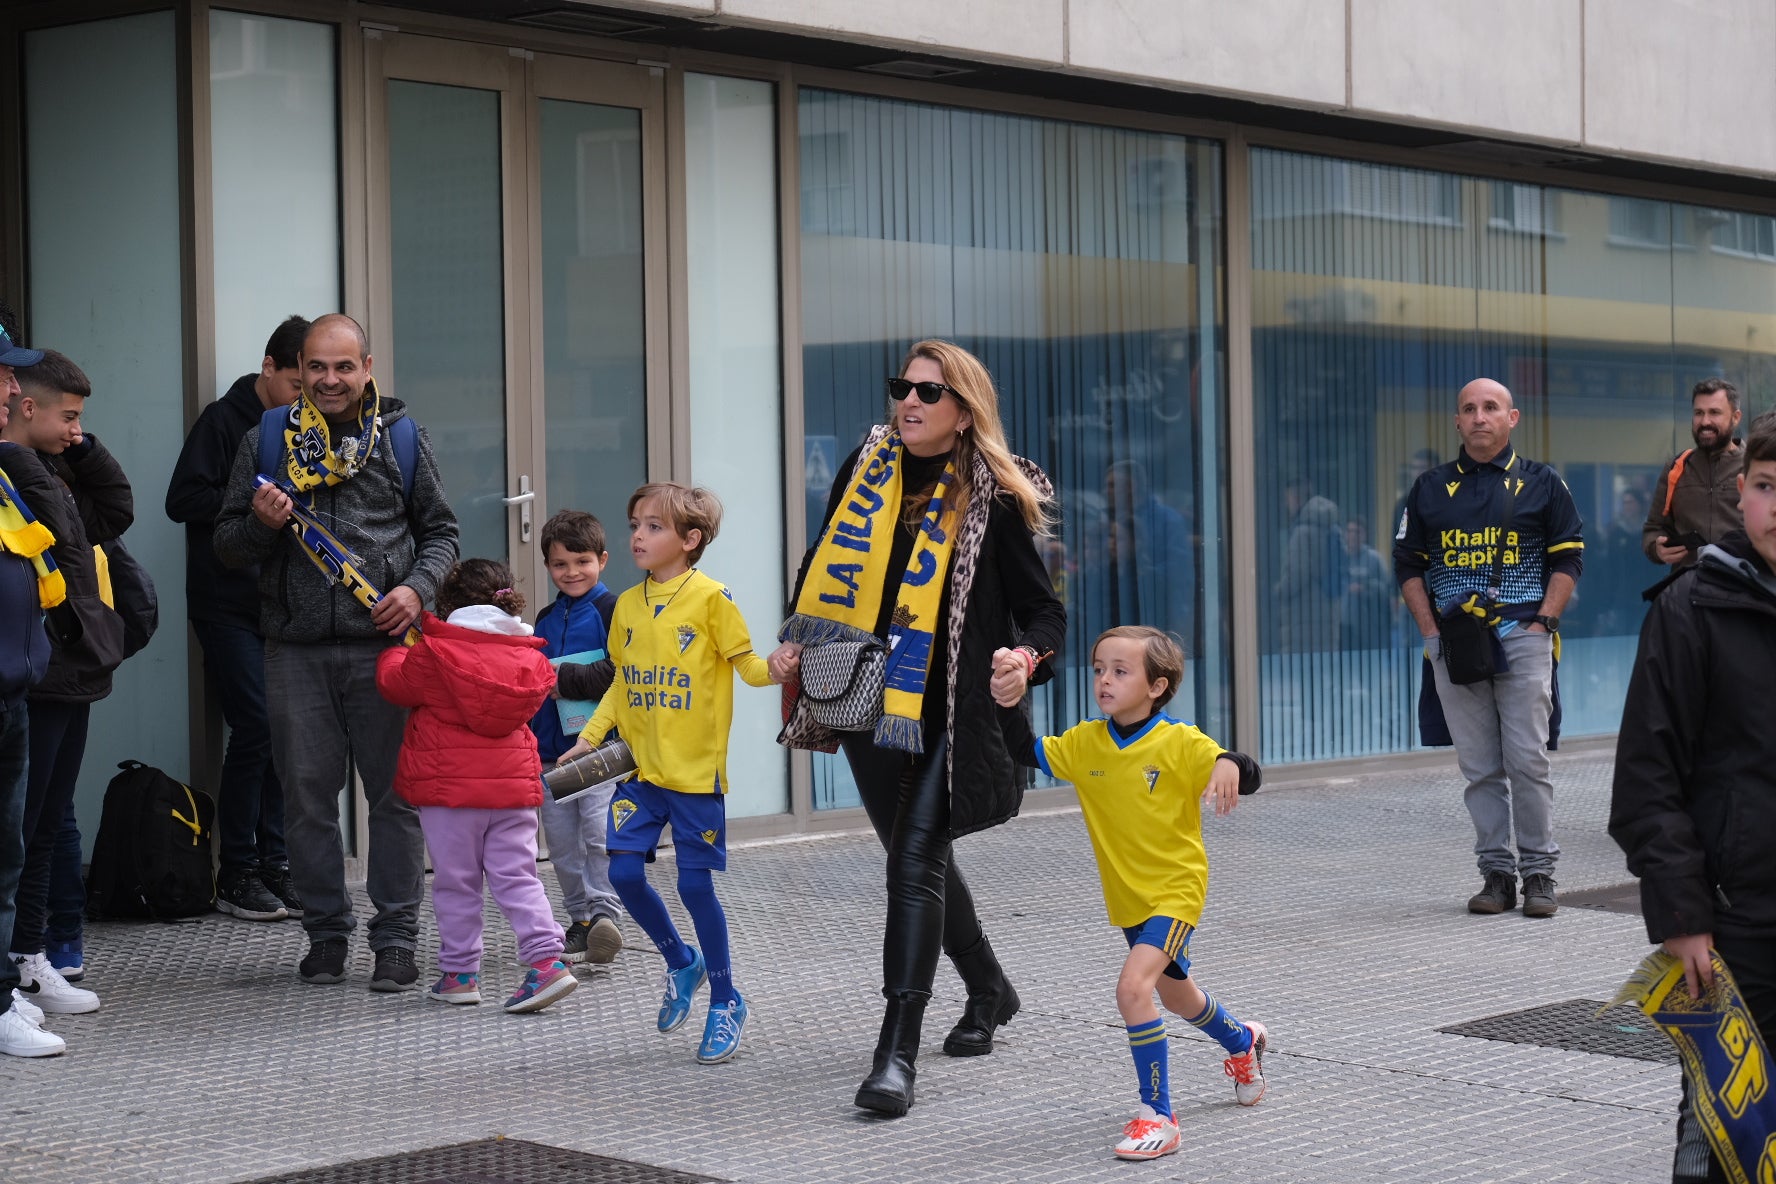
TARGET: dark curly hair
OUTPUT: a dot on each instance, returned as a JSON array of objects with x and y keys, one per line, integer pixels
[{"x": 479, "y": 581}]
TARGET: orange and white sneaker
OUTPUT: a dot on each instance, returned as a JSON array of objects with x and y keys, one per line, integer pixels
[
  {"x": 1148, "y": 1135},
  {"x": 1247, "y": 1069}
]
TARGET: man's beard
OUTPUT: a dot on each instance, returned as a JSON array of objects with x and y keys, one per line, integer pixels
[{"x": 1719, "y": 439}]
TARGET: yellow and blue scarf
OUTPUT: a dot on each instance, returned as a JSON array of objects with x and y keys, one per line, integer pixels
[
  {"x": 23, "y": 535},
  {"x": 311, "y": 460},
  {"x": 841, "y": 596},
  {"x": 1724, "y": 1058}
]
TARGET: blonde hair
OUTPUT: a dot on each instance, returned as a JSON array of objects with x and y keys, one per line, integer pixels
[
  {"x": 1161, "y": 656},
  {"x": 968, "y": 377},
  {"x": 687, "y": 508}
]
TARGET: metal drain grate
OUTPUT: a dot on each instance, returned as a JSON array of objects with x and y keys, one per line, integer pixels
[
  {"x": 1574, "y": 1024},
  {"x": 490, "y": 1161},
  {"x": 1612, "y": 898}
]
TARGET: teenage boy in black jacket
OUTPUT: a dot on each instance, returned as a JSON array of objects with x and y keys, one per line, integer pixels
[
  {"x": 253, "y": 881},
  {"x": 1694, "y": 800}
]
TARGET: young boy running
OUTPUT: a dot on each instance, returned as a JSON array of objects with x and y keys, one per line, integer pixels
[
  {"x": 676, "y": 640},
  {"x": 1141, "y": 776}
]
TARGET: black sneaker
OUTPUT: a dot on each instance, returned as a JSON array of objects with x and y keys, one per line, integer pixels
[
  {"x": 573, "y": 941},
  {"x": 1538, "y": 896},
  {"x": 325, "y": 962},
  {"x": 277, "y": 881},
  {"x": 395, "y": 970},
  {"x": 239, "y": 893},
  {"x": 1499, "y": 895}
]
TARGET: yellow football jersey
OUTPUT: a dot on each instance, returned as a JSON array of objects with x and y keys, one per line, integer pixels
[
  {"x": 676, "y": 647},
  {"x": 1142, "y": 799}
]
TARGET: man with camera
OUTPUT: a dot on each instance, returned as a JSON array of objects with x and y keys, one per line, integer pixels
[
  {"x": 1489, "y": 549},
  {"x": 1697, "y": 499}
]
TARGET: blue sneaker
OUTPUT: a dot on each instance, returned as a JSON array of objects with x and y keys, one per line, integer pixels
[
  {"x": 721, "y": 1032},
  {"x": 68, "y": 957},
  {"x": 675, "y": 1007}
]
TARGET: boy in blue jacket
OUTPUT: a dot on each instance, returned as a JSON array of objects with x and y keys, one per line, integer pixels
[{"x": 574, "y": 627}]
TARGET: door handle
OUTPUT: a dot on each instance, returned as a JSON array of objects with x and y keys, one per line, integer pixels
[{"x": 522, "y": 499}]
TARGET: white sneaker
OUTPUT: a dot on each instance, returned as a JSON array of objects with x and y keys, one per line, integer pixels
[
  {"x": 19, "y": 1037},
  {"x": 1148, "y": 1135},
  {"x": 44, "y": 985},
  {"x": 1247, "y": 1069},
  {"x": 27, "y": 1008}
]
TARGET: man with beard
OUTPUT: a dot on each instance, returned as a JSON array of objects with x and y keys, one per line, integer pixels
[{"x": 1697, "y": 498}]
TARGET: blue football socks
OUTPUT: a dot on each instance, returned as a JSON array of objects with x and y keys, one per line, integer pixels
[
  {"x": 1147, "y": 1044},
  {"x": 628, "y": 873},
  {"x": 1228, "y": 1032},
  {"x": 697, "y": 889}
]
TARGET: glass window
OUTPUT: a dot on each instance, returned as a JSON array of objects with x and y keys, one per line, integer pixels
[
  {"x": 102, "y": 199},
  {"x": 1082, "y": 265},
  {"x": 736, "y": 388},
  {"x": 274, "y": 164},
  {"x": 1362, "y": 335}
]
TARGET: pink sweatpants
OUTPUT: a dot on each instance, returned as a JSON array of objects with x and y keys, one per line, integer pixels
[{"x": 502, "y": 846}]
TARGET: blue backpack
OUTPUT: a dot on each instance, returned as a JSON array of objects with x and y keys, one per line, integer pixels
[{"x": 403, "y": 435}]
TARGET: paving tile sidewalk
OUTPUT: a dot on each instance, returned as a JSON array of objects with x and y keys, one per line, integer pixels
[{"x": 1335, "y": 916}]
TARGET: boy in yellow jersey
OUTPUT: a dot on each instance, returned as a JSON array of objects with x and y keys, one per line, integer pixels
[
  {"x": 677, "y": 640},
  {"x": 1141, "y": 778}
]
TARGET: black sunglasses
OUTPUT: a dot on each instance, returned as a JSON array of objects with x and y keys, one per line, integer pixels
[{"x": 929, "y": 392}]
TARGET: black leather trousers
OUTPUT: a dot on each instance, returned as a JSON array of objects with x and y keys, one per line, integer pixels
[{"x": 929, "y": 905}]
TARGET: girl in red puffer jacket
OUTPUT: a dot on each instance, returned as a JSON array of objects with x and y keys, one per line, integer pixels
[{"x": 468, "y": 762}]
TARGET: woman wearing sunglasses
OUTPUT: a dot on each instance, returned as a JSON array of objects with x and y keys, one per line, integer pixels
[{"x": 929, "y": 543}]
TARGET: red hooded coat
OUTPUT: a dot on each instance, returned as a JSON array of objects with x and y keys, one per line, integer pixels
[{"x": 472, "y": 694}]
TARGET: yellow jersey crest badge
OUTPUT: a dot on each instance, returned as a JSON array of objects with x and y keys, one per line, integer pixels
[
  {"x": 1151, "y": 772},
  {"x": 686, "y": 635},
  {"x": 622, "y": 810}
]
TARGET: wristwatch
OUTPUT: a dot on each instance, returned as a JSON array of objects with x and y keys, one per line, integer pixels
[{"x": 1551, "y": 624}]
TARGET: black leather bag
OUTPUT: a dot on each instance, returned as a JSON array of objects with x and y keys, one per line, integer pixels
[{"x": 1466, "y": 647}]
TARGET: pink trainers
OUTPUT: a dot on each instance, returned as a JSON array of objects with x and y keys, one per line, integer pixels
[
  {"x": 454, "y": 987},
  {"x": 543, "y": 984}
]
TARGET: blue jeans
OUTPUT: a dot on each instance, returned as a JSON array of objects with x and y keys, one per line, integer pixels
[
  {"x": 250, "y": 800},
  {"x": 15, "y": 752},
  {"x": 67, "y": 891}
]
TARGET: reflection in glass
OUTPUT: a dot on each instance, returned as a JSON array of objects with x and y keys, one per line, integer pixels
[
  {"x": 271, "y": 83},
  {"x": 594, "y": 351},
  {"x": 448, "y": 288},
  {"x": 1372, "y": 306},
  {"x": 1082, "y": 265}
]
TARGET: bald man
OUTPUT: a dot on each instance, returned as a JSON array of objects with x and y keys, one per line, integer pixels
[
  {"x": 1455, "y": 547},
  {"x": 339, "y": 455}
]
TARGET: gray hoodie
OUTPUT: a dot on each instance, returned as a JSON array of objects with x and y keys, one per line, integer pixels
[{"x": 400, "y": 543}]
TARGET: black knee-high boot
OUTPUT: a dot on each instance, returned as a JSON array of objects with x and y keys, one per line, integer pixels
[
  {"x": 991, "y": 1001},
  {"x": 889, "y": 1087}
]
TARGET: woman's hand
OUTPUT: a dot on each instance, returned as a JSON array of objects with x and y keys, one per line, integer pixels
[
  {"x": 785, "y": 662},
  {"x": 580, "y": 749},
  {"x": 1011, "y": 676}
]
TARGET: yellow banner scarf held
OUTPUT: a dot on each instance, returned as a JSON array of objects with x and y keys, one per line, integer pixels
[
  {"x": 1724, "y": 1058},
  {"x": 23, "y": 535},
  {"x": 842, "y": 593}
]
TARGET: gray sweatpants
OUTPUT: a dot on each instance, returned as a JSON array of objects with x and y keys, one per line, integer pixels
[
  {"x": 1500, "y": 729},
  {"x": 575, "y": 831},
  {"x": 326, "y": 715}
]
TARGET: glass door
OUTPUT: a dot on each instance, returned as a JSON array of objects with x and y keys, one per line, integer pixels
[
  {"x": 597, "y": 289},
  {"x": 517, "y": 222}
]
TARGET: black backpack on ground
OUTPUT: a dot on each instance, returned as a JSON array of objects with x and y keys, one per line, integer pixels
[{"x": 152, "y": 856}]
